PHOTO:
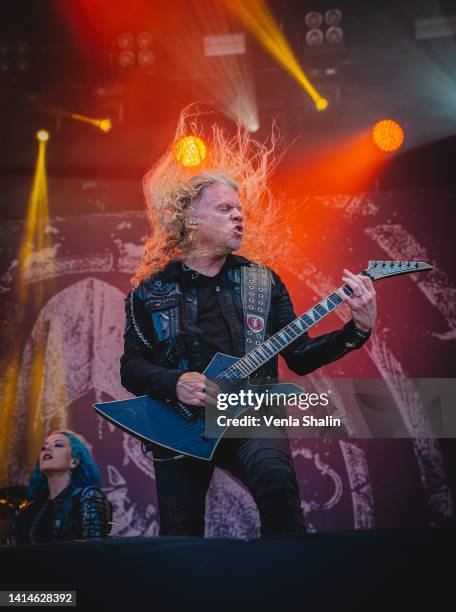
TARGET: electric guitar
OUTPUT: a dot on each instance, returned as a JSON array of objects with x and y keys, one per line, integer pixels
[{"x": 181, "y": 428}]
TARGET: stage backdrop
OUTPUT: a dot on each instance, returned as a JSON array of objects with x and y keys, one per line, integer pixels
[{"x": 62, "y": 331}]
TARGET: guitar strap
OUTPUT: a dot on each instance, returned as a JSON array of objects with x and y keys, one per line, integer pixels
[{"x": 256, "y": 301}]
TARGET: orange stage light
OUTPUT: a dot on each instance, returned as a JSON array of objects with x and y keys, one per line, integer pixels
[
  {"x": 190, "y": 151},
  {"x": 388, "y": 135}
]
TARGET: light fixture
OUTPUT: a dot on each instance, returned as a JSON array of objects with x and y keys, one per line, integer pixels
[
  {"x": 313, "y": 19},
  {"x": 126, "y": 40},
  {"x": 22, "y": 47},
  {"x": 144, "y": 40},
  {"x": 127, "y": 58},
  {"x": 324, "y": 30},
  {"x": 22, "y": 64},
  {"x": 314, "y": 37},
  {"x": 333, "y": 17},
  {"x": 146, "y": 58},
  {"x": 321, "y": 104},
  {"x": 5, "y": 65},
  {"x": 105, "y": 125},
  {"x": 14, "y": 57},
  {"x": 388, "y": 135},
  {"x": 190, "y": 151},
  {"x": 224, "y": 44},
  {"x": 334, "y": 35},
  {"x": 42, "y": 135},
  {"x": 135, "y": 50}
]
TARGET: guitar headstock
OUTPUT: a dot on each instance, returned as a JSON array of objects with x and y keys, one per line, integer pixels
[{"x": 384, "y": 269}]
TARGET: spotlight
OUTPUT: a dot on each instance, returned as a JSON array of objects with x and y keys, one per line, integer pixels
[
  {"x": 313, "y": 19},
  {"x": 321, "y": 104},
  {"x": 190, "y": 151},
  {"x": 22, "y": 64},
  {"x": 146, "y": 58},
  {"x": 333, "y": 17},
  {"x": 14, "y": 58},
  {"x": 314, "y": 38},
  {"x": 5, "y": 66},
  {"x": 42, "y": 135},
  {"x": 126, "y": 58},
  {"x": 334, "y": 35},
  {"x": 22, "y": 47},
  {"x": 105, "y": 125},
  {"x": 126, "y": 40},
  {"x": 253, "y": 125},
  {"x": 144, "y": 40},
  {"x": 135, "y": 50},
  {"x": 320, "y": 30},
  {"x": 388, "y": 135}
]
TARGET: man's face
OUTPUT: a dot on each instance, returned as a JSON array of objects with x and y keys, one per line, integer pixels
[{"x": 220, "y": 226}]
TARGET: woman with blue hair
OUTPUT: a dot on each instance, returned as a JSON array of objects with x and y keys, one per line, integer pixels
[{"x": 66, "y": 500}]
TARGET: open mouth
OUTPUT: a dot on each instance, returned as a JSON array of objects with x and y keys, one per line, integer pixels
[
  {"x": 47, "y": 456},
  {"x": 238, "y": 229}
]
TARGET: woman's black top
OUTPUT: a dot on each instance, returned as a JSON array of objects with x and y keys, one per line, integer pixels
[{"x": 76, "y": 513}]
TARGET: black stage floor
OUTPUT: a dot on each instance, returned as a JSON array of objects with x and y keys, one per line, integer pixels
[{"x": 388, "y": 570}]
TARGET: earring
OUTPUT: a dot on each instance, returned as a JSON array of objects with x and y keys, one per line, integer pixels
[{"x": 193, "y": 221}]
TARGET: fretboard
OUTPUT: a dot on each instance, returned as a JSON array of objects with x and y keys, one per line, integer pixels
[{"x": 253, "y": 360}]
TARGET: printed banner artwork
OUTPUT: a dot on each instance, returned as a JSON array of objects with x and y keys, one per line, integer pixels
[{"x": 66, "y": 322}]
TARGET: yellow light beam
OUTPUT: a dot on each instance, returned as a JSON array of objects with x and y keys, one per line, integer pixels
[
  {"x": 229, "y": 84},
  {"x": 37, "y": 211},
  {"x": 6, "y": 414},
  {"x": 36, "y": 239},
  {"x": 256, "y": 16},
  {"x": 104, "y": 124}
]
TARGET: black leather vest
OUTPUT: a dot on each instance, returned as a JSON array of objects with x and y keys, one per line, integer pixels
[{"x": 171, "y": 325}]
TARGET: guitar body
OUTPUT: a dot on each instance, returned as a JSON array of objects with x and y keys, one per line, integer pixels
[{"x": 152, "y": 420}]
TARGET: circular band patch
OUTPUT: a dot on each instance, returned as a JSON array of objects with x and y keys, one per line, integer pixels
[{"x": 255, "y": 323}]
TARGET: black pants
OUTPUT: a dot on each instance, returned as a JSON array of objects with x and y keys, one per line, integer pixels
[{"x": 264, "y": 465}]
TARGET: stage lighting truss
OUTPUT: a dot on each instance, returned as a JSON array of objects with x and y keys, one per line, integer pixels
[
  {"x": 324, "y": 30},
  {"x": 136, "y": 51},
  {"x": 14, "y": 58}
]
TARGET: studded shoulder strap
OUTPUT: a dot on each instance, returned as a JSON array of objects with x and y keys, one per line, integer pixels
[{"x": 256, "y": 301}]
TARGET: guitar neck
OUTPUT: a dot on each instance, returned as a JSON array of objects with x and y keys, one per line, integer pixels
[
  {"x": 253, "y": 360},
  {"x": 376, "y": 270}
]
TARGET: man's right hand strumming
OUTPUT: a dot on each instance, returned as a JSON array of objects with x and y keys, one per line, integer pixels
[{"x": 195, "y": 389}]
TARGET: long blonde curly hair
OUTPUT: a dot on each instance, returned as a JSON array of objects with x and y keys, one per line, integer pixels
[{"x": 238, "y": 161}]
